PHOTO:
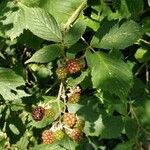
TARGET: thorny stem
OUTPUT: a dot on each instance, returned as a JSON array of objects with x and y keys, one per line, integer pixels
[
  {"x": 139, "y": 70},
  {"x": 134, "y": 114},
  {"x": 50, "y": 88},
  {"x": 64, "y": 99}
]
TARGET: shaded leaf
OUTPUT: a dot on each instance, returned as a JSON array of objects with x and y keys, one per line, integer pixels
[
  {"x": 78, "y": 80},
  {"x": 131, "y": 128},
  {"x": 113, "y": 127},
  {"x": 125, "y": 146},
  {"x": 146, "y": 25},
  {"x": 9, "y": 81},
  {"x": 135, "y": 9}
]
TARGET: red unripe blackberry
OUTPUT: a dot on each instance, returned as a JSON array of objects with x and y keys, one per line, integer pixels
[
  {"x": 61, "y": 73},
  {"x": 76, "y": 134},
  {"x": 48, "y": 137},
  {"x": 38, "y": 113},
  {"x": 69, "y": 119},
  {"x": 73, "y": 66}
]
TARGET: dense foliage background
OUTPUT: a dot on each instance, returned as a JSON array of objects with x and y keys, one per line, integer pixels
[{"x": 111, "y": 37}]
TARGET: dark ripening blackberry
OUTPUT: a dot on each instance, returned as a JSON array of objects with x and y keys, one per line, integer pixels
[
  {"x": 38, "y": 113},
  {"x": 73, "y": 66},
  {"x": 48, "y": 137},
  {"x": 69, "y": 119}
]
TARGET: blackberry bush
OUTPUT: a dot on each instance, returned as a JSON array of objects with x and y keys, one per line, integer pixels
[{"x": 74, "y": 74}]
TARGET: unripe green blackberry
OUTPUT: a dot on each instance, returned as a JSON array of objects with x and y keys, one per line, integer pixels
[
  {"x": 80, "y": 124},
  {"x": 50, "y": 113},
  {"x": 61, "y": 73},
  {"x": 74, "y": 98},
  {"x": 58, "y": 134},
  {"x": 43, "y": 72}
]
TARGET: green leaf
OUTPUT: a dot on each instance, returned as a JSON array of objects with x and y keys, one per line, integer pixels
[
  {"x": 131, "y": 128},
  {"x": 149, "y": 2},
  {"x": 65, "y": 144},
  {"x": 61, "y": 10},
  {"x": 138, "y": 89},
  {"x": 142, "y": 54},
  {"x": 14, "y": 129},
  {"x": 23, "y": 143},
  {"x": 9, "y": 81},
  {"x": 30, "y": 3},
  {"x": 49, "y": 147},
  {"x": 42, "y": 24},
  {"x": 109, "y": 74},
  {"x": 114, "y": 104},
  {"x": 118, "y": 37},
  {"x": 113, "y": 127},
  {"x": 17, "y": 20},
  {"x": 122, "y": 7},
  {"x": 74, "y": 33},
  {"x": 46, "y": 54}
]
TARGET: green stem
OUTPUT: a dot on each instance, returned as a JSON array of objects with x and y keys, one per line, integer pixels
[
  {"x": 59, "y": 96},
  {"x": 89, "y": 46},
  {"x": 147, "y": 75},
  {"x": 75, "y": 15}
]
